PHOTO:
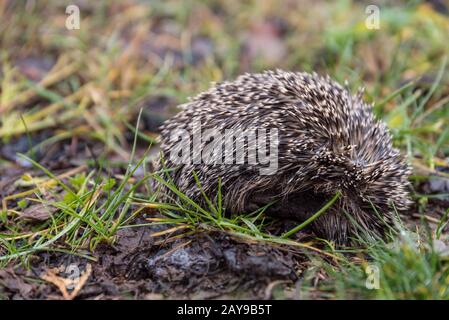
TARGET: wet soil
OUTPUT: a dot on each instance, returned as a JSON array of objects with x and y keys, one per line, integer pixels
[{"x": 136, "y": 266}]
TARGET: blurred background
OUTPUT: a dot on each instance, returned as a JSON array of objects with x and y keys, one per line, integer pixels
[{"x": 88, "y": 81}]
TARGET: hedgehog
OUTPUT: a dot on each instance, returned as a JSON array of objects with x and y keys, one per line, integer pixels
[{"x": 326, "y": 141}]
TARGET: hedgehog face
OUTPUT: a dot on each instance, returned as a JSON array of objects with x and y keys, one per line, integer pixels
[
  {"x": 347, "y": 216},
  {"x": 370, "y": 194}
]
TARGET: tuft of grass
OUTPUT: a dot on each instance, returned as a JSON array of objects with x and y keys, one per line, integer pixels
[
  {"x": 410, "y": 267},
  {"x": 191, "y": 217},
  {"x": 89, "y": 211}
]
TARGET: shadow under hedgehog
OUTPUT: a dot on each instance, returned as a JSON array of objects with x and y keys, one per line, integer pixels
[{"x": 328, "y": 141}]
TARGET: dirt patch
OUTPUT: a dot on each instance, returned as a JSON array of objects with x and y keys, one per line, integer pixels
[
  {"x": 204, "y": 265},
  {"x": 216, "y": 264}
]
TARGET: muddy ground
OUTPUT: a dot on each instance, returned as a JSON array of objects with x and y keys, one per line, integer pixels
[
  {"x": 202, "y": 266},
  {"x": 139, "y": 266}
]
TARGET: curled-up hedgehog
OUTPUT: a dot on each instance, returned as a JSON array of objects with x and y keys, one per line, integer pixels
[{"x": 326, "y": 141}]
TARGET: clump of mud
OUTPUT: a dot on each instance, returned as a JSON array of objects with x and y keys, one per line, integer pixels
[
  {"x": 139, "y": 266},
  {"x": 217, "y": 264}
]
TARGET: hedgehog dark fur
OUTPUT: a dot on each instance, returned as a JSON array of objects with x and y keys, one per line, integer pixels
[{"x": 329, "y": 141}]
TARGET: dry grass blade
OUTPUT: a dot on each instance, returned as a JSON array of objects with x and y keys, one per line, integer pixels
[
  {"x": 170, "y": 230},
  {"x": 60, "y": 71}
]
